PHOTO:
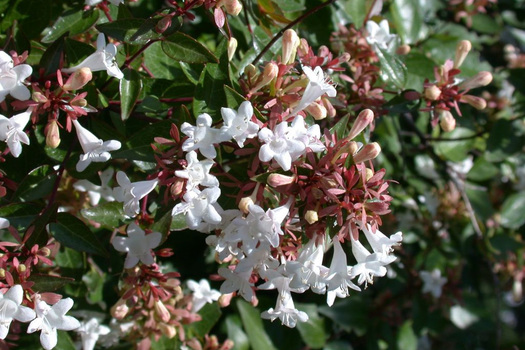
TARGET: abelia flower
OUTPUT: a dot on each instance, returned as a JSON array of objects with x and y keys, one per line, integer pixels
[
  {"x": 130, "y": 193},
  {"x": 49, "y": 319},
  {"x": 202, "y": 294},
  {"x": 197, "y": 172},
  {"x": 138, "y": 245},
  {"x": 96, "y": 192},
  {"x": 102, "y": 59},
  {"x": 11, "y": 309},
  {"x": 340, "y": 276},
  {"x": 379, "y": 34},
  {"x": 4, "y": 223},
  {"x": 238, "y": 124},
  {"x": 433, "y": 282},
  {"x": 381, "y": 244},
  {"x": 12, "y": 131},
  {"x": 90, "y": 331},
  {"x": 235, "y": 281},
  {"x": 201, "y": 137},
  {"x": 309, "y": 136},
  {"x": 308, "y": 271},
  {"x": 368, "y": 265},
  {"x": 12, "y": 78},
  {"x": 318, "y": 85},
  {"x": 95, "y": 150},
  {"x": 95, "y": 2},
  {"x": 279, "y": 146},
  {"x": 200, "y": 206}
]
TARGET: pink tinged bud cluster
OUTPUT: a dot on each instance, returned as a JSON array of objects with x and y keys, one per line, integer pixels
[
  {"x": 95, "y": 150},
  {"x": 12, "y": 78},
  {"x": 12, "y": 131},
  {"x": 137, "y": 245}
]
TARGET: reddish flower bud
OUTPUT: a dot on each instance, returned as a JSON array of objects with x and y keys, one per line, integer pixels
[
  {"x": 276, "y": 180},
  {"x": 168, "y": 330},
  {"x": 462, "y": 50},
  {"x": 270, "y": 72},
  {"x": 78, "y": 79},
  {"x": 52, "y": 134},
  {"x": 368, "y": 152},
  {"x": 432, "y": 92},
  {"x": 476, "y": 102},
  {"x": 163, "y": 24},
  {"x": 317, "y": 110},
  {"x": 290, "y": 44},
  {"x": 120, "y": 309},
  {"x": 39, "y": 97},
  {"x": 362, "y": 121},
  {"x": 480, "y": 79},
  {"x": 233, "y": 7},
  {"x": 403, "y": 50},
  {"x": 447, "y": 121},
  {"x": 81, "y": 102},
  {"x": 161, "y": 311}
]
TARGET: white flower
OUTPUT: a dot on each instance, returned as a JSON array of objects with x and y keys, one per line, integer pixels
[
  {"x": 130, "y": 193},
  {"x": 95, "y": 2},
  {"x": 461, "y": 317},
  {"x": 379, "y": 34},
  {"x": 90, "y": 331},
  {"x": 96, "y": 192},
  {"x": 197, "y": 172},
  {"x": 433, "y": 282},
  {"x": 340, "y": 277},
  {"x": 12, "y": 78},
  {"x": 237, "y": 281},
  {"x": 308, "y": 270},
  {"x": 201, "y": 137},
  {"x": 278, "y": 146},
  {"x": 238, "y": 125},
  {"x": 4, "y": 223},
  {"x": 381, "y": 244},
  {"x": 50, "y": 318},
  {"x": 318, "y": 85},
  {"x": 310, "y": 137},
  {"x": 11, "y": 308},
  {"x": 95, "y": 150},
  {"x": 368, "y": 265},
  {"x": 202, "y": 294},
  {"x": 200, "y": 206},
  {"x": 138, "y": 245},
  {"x": 12, "y": 131},
  {"x": 102, "y": 59}
]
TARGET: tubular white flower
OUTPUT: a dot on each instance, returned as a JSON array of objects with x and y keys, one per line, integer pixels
[
  {"x": 51, "y": 318},
  {"x": 197, "y": 172},
  {"x": 138, "y": 245},
  {"x": 12, "y": 78},
  {"x": 90, "y": 331},
  {"x": 12, "y": 131},
  {"x": 4, "y": 223},
  {"x": 279, "y": 146},
  {"x": 199, "y": 206},
  {"x": 201, "y": 137},
  {"x": 379, "y": 34},
  {"x": 202, "y": 294},
  {"x": 318, "y": 85},
  {"x": 433, "y": 282},
  {"x": 11, "y": 309},
  {"x": 102, "y": 59},
  {"x": 238, "y": 124},
  {"x": 95, "y": 150},
  {"x": 130, "y": 193},
  {"x": 308, "y": 270},
  {"x": 340, "y": 277},
  {"x": 381, "y": 244},
  {"x": 368, "y": 265},
  {"x": 95, "y": 2},
  {"x": 96, "y": 192}
]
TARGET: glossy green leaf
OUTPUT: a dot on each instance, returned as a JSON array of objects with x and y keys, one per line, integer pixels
[
  {"x": 406, "y": 338},
  {"x": 340, "y": 129},
  {"x": 74, "y": 22},
  {"x": 236, "y": 333},
  {"x": 455, "y": 151},
  {"x": 178, "y": 222},
  {"x": 64, "y": 341},
  {"x": 48, "y": 283},
  {"x": 504, "y": 140},
  {"x": 76, "y": 51},
  {"x": 122, "y": 29},
  {"x": 20, "y": 215},
  {"x": 312, "y": 331},
  {"x": 37, "y": 233},
  {"x": 130, "y": 89},
  {"x": 392, "y": 69},
  {"x": 52, "y": 57},
  {"x": 357, "y": 10},
  {"x": 182, "y": 47},
  {"x": 512, "y": 211},
  {"x": 209, "y": 93},
  {"x": 161, "y": 65},
  {"x": 253, "y": 325},
  {"x": 73, "y": 233},
  {"x": 108, "y": 214},
  {"x": 482, "y": 170},
  {"x": 37, "y": 184},
  {"x": 210, "y": 314},
  {"x": 350, "y": 314},
  {"x": 408, "y": 20}
]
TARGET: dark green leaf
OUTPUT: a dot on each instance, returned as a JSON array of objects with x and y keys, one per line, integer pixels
[
  {"x": 312, "y": 331},
  {"x": 482, "y": 170},
  {"x": 36, "y": 233},
  {"x": 107, "y": 214},
  {"x": 145, "y": 33},
  {"x": 481, "y": 203},
  {"x": 251, "y": 320},
  {"x": 37, "y": 184},
  {"x": 76, "y": 51},
  {"x": 74, "y": 22},
  {"x": 357, "y": 10},
  {"x": 182, "y": 47},
  {"x": 130, "y": 89},
  {"x": 350, "y": 314},
  {"x": 408, "y": 20},
  {"x": 122, "y": 29},
  {"x": 236, "y": 334},
  {"x": 455, "y": 151},
  {"x": 20, "y": 215},
  {"x": 210, "y": 314},
  {"x": 161, "y": 65},
  {"x": 163, "y": 224},
  {"x": 406, "y": 338},
  {"x": 178, "y": 222},
  {"x": 503, "y": 141},
  {"x": 512, "y": 211},
  {"x": 52, "y": 58},
  {"x": 64, "y": 341},
  {"x": 47, "y": 283},
  {"x": 392, "y": 69},
  {"x": 340, "y": 129},
  {"x": 73, "y": 233}
]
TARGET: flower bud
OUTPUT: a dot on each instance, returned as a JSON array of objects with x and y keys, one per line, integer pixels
[
  {"x": 176, "y": 188},
  {"x": 39, "y": 97},
  {"x": 276, "y": 180},
  {"x": 303, "y": 48},
  {"x": 233, "y": 7},
  {"x": 361, "y": 122},
  {"x": 352, "y": 147},
  {"x": 330, "y": 110},
  {"x": 270, "y": 72},
  {"x": 311, "y": 216},
  {"x": 168, "y": 330},
  {"x": 462, "y": 50},
  {"x": 290, "y": 43},
  {"x": 368, "y": 152},
  {"x": 480, "y": 79},
  {"x": 250, "y": 71},
  {"x": 447, "y": 121},
  {"x": 2, "y": 273},
  {"x": 78, "y": 79},
  {"x": 475, "y": 101},
  {"x": 81, "y": 102},
  {"x": 52, "y": 134},
  {"x": 22, "y": 268},
  {"x": 368, "y": 175},
  {"x": 403, "y": 50},
  {"x": 232, "y": 46},
  {"x": 225, "y": 300},
  {"x": 227, "y": 345},
  {"x": 163, "y": 24},
  {"x": 120, "y": 309},
  {"x": 318, "y": 111},
  {"x": 161, "y": 311},
  {"x": 244, "y": 204},
  {"x": 45, "y": 251},
  {"x": 432, "y": 92}
]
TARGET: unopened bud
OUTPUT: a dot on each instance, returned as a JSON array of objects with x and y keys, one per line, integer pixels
[
  {"x": 330, "y": 110},
  {"x": 462, "y": 50},
  {"x": 176, "y": 188},
  {"x": 2, "y": 273},
  {"x": 22, "y": 268},
  {"x": 368, "y": 175},
  {"x": 233, "y": 7},
  {"x": 352, "y": 147},
  {"x": 361, "y": 122},
  {"x": 368, "y": 152},
  {"x": 289, "y": 48},
  {"x": 213, "y": 342},
  {"x": 271, "y": 70},
  {"x": 311, "y": 216},
  {"x": 225, "y": 300},
  {"x": 39, "y": 97},
  {"x": 52, "y": 134},
  {"x": 232, "y": 46},
  {"x": 227, "y": 345},
  {"x": 480, "y": 79},
  {"x": 120, "y": 309},
  {"x": 161, "y": 311},
  {"x": 250, "y": 71},
  {"x": 163, "y": 24},
  {"x": 432, "y": 92},
  {"x": 244, "y": 204},
  {"x": 168, "y": 330},
  {"x": 303, "y": 48},
  {"x": 276, "y": 180},
  {"x": 81, "y": 102},
  {"x": 403, "y": 50},
  {"x": 447, "y": 121},
  {"x": 318, "y": 111},
  {"x": 475, "y": 101},
  {"x": 345, "y": 57},
  {"x": 78, "y": 79},
  {"x": 45, "y": 251}
]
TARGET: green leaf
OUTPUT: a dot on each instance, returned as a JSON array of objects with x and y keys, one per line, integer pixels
[
  {"x": 130, "y": 89},
  {"x": 455, "y": 151},
  {"x": 163, "y": 224},
  {"x": 145, "y": 33},
  {"x": 481, "y": 203},
  {"x": 122, "y": 29},
  {"x": 73, "y": 233},
  {"x": 210, "y": 314},
  {"x": 350, "y": 314},
  {"x": 74, "y": 22},
  {"x": 52, "y": 57},
  {"x": 94, "y": 281},
  {"x": 512, "y": 211},
  {"x": 339, "y": 129},
  {"x": 20, "y": 215},
  {"x": 252, "y": 323},
  {"x": 406, "y": 338},
  {"x": 64, "y": 341},
  {"x": 236, "y": 334},
  {"x": 182, "y": 47},
  {"x": 76, "y": 51},
  {"x": 503, "y": 141},
  {"x": 408, "y": 19},
  {"x": 107, "y": 214},
  {"x": 357, "y": 10},
  {"x": 482, "y": 170},
  {"x": 36, "y": 233},
  {"x": 312, "y": 331},
  {"x": 393, "y": 70},
  {"x": 178, "y": 222},
  {"x": 161, "y": 65},
  {"x": 37, "y": 184},
  {"x": 48, "y": 283}
]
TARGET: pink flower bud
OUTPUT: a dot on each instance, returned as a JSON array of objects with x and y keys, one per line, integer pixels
[
  {"x": 244, "y": 204},
  {"x": 168, "y": 330},
  {"x": 403, "y": 50},
  {"x": 163, "y": 24},
  {"x": 447, "y": 121},
  {"x": 161, "y": 311},
  {"x": 81, "y": 102},
  {"x": 368, "y": 152},
  {"x": 290, "y": 43},
  {"x": 303, "y": 48},
  {"x": 462, "y": 50},
  {"x": 475, "y": 101},
  {"x": 120, "y": 309},
  {"x": 317, "y": 110},
  {"x": 78, "y": 79},
  {"x": 270, "y": 72},
  {"x": 233, "y": 7},
  {"x": 232, "y": 46},
  {"x": 276, "y": 180},
  {"x": 39, "y": 97},
  {"x": 311, "y": 216},
  {"x": 225, "y": 300},
  {"x": 364, "y": 119},
  {"x": 52, "y": 134},
  {"x": 432, "y": 92},
  {"x": 480, "y": 79}
]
